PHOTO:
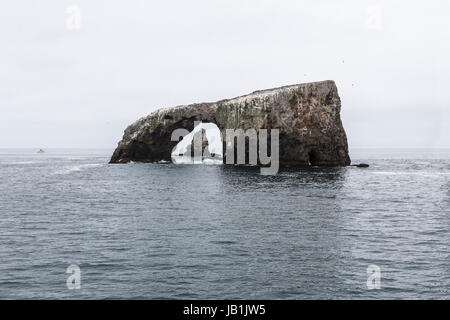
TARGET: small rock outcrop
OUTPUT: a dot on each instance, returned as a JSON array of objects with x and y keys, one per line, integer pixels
[
  {"x": 307, "y": 115},
  {"x": 361, "y": 165}
]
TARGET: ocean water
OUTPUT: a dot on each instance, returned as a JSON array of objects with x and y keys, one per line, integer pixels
[{"x": 166, "y": 231}]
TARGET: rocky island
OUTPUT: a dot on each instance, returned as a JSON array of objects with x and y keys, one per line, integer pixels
[{"x": 307, "y": 116}]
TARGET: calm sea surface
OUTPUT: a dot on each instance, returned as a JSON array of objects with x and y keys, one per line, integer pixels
[{"x": 157, "y": 231}]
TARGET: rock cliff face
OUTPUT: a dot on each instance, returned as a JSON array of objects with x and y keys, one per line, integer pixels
[{"x": 307, "y": 115}]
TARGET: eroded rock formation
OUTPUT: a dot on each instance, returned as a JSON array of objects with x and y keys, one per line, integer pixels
[{"x": 307, "y": 115}]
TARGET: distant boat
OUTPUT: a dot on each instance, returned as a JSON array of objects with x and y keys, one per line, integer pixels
[{"x": 41, "y": 151}]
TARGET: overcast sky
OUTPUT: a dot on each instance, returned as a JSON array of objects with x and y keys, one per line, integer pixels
[{"x": 64, "y": 86}]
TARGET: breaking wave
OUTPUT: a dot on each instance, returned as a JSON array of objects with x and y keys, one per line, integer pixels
[{"x": 79, "y": 168}]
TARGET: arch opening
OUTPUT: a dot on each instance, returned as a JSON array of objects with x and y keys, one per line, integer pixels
[{"x": 312, "y": 157}]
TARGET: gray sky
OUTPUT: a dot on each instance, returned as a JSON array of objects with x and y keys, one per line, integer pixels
[{"x": 63, "y": 87}]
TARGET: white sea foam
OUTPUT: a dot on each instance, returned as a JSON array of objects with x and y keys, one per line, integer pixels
[
  {"x": 21, "y": 162},
  {"x": 406, "y": 173},
  {"x": 212, "y": 162},
  {"x": 182, "y": 159},
  {"x": 79, "y": 168}
]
